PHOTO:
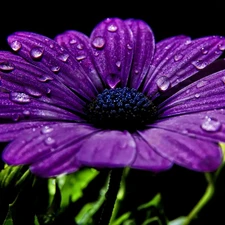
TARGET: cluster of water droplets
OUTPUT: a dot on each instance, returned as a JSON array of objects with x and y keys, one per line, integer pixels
[{"x": 47, "y": 130}]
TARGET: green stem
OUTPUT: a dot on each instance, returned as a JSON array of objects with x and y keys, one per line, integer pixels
[
  {"x": 203, "y": 201},
  {"x": 110, "y": 196}
]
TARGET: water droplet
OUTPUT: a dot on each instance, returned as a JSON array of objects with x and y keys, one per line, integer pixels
[
  {"x": 46, "y": 130},
  {"x": 44, "y": 78},
  {"x": 48, "y": 91},
  {"x": 136, "y": 71},
  {"x": 37, "y": 52},
  {"x": 80, "y": 57},
  {"x": 188, "y": 42},
  {"x": 112, "y": 28},
  {"x": 202, "y": 83},
  {"x": 26, "y": 113},
  {"x": 49, "y": 141},
  {"x": 204, "y": 51},
  {"x": 163, "y": 83},
  {"x": 129, "y": 46},
  {"x": 217, "y": 52},
  {"x": 221, "y": 47},
  {"x": 223, "y": 79},
  {"x": 64, "y": 57},
  {"x": 188, "y": 91},
  {"x": 112, "y": 80},
  {"x": 178, "y": 57},
  {"x": 15, "y": 117},
  {"x": 98, "y": 42},
  {"x": 73, "y": 41},
  {"x": 197, "y": 95},
  {"x": 199, "y": 64},
  {"x": 211, "y": 124},
  {"x": 118, "y": 64},
  {"x": 55, "y": 69},
  {"x": 33, "y": 92},
  {"x": 16, "y": 45},
  {"x": 6, "y": 66},
  {"x": 51, "y": 46},
  {"x": 19, "y": 97},
  {"x": 80, "y": 46}
]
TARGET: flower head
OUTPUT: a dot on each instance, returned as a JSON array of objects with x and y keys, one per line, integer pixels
[{"x": 113, "y": 99}]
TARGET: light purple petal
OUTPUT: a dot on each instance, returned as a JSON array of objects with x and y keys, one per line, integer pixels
[
  {"x": 204, "y": 94},
  {"x": 78, "y": 45},
  {"x": 147, "y": 159},
  {"x": 54, "y": 59},
  {"x": 10, "y": 131},
  {"x": 112, "y": 43},
  {"x": 109, "y": 148},
  {"x": 189, "y": 152},
  {"x": 17, "y": 75},
  {"x": 18, "y": 106},
  {"x": 180, "y": 59},
  {"x": 143, "y": 51},
  {"x": 35, "y": 145}
]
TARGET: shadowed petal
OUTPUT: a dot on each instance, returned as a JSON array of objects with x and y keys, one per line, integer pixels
[
  {"x": 204, "y": 94},
  {"x": 179, "y": 60},
  {"x": 183, "y": 150},
  {"x": 32, "y": 146},
  {"x": 56, "y": 61},
  {"x": 147, "y": 159},
  {"x": 143, "y": 51},
  {"x": 78, "y": 45},
  {"x": 110, "y": 148},
  {"x": 112, "y": 43},
  {"x": 17, "y": 75}
]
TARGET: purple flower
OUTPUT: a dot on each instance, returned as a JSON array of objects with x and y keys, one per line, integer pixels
[{"x": 113, "y": 99}]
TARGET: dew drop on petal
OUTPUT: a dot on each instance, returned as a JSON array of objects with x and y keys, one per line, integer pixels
[
  {"x": 48, "y": 91},
  {"x": 112, "y": 28},
  {"x": 19, "y": 97},
  {"x": 198, "y": 64},
  {"x": 33, "y": 92},
  {"x": 163, "y": 83},
  {"x": 80, "y": 57},
  {"x": 178, "y": 57},
  {"x": 118, "y": 64},
  {"x": 37, "y": 52},
  {"x": 16, "y": 45},
  {"x": 26, "y": 113},
  {"x": 46, "y": 130},
  {"x": 64, "y": 57},
  {"x": 112, "y": 80},
  {"x": 55, "y": 69},
  {"x": 210, "y": 124},
  {"x": 73, "y": 41},
  {"x": 44, "y": 78},
  {"x": 51, "y": 46},
  {"x": 202, "y": 83},
  {"x": 80, "y": 46},
  {"x": 6, "y": 66},
  {"x": 197, "y": 95},
  {"x": 129, "y": 46},
  {"x": 221, "y": 47},
  {"x": 15, "y": 117},
  {"x": 223, "y": 79},
  {"x": 49, "y": 141},
  {"x": 204, "y": 51},
  {"x": 98, "y": 42}
]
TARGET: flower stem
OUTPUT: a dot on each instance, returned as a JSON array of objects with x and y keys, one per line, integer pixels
[
  {"x": 203, "y": 201},
  {"x": 110, "y": 196}
]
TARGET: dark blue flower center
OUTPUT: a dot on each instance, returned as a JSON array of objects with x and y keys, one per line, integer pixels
[{"x": 121, "y": 108}]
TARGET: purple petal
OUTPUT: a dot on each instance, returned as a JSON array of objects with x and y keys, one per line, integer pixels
[
  {"x": 109, "y": 148},
  {"x": 112, "y": 43},
  {"x": 18, "y": 106},
  {"x": 17, "y": 75},
  {"x": 33, "y": 146},
  {"x": 179, "y": 60},
  {"x": 143, "y": 51},
  {"x": 183, "y": 150},
  {"x": 56, "y": 61},
  {"x": 202, "y": 95},
  {"x": 78, "y": 45},
  {"x": 10, "y": 131},
  {"x": 147, "y": 159}
]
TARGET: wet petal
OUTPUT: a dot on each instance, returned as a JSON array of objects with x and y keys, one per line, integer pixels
[
  {"x": 35, "y": 82},
  {"x": 189, "y": 152},
  {"x": 143, "y": 51},
  {"x": 181, "y": 59},
  {"x": 57, "y": 61},
  {"x": 112, "y": 43},
  {"x": 204, "y": 94},
  {"x": 110, "y": 148},
  {"x": 32, "y": 147},
  {"x": 147, "y": 159},
  {"x": 78, "y": 45}
]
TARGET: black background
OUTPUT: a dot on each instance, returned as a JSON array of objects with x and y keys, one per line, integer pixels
[{"x": 166, "y": 18}]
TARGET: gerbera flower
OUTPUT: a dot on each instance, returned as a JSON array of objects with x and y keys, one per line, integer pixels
[{"x": 114, "y": 99}]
